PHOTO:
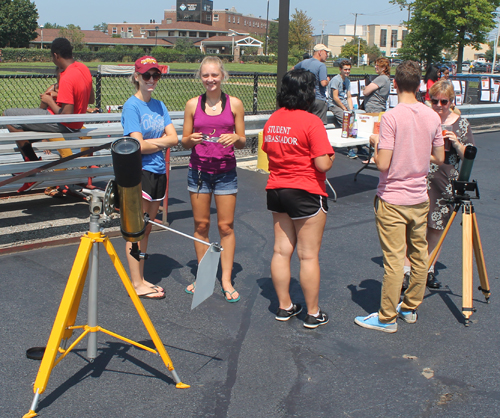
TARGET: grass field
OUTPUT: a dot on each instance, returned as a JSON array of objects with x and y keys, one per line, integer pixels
[
  {"x": 176, "y": 91},
  {"x": 173, "y": 90}
]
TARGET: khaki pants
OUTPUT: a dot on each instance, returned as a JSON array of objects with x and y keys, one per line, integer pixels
[
  {"x": 66, "y": 152},
  {"x": 397, "y": 227}
]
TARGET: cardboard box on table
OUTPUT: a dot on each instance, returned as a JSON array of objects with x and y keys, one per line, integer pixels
[{"x": 366, "y": 122}]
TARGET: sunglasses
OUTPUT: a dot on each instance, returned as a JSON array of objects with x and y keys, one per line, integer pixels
[
  {"x": 147, "y": 76},
  {"x": 436, "y": 101}
]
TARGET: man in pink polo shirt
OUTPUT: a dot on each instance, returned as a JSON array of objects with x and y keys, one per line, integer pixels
[{"x": 410, "y": 138}]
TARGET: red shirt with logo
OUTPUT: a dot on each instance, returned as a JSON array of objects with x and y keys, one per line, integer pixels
[
  {"x": 75, "y": 86},
  {"x": 292, "y": 139}
]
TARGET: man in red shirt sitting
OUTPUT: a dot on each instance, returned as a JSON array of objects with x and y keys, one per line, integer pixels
[{"x": 74, "y": 95}]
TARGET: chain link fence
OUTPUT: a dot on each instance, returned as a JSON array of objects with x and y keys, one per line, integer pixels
[{"x": 257, "y": 91}]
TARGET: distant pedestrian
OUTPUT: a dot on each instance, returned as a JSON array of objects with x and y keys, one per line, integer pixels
[
  {"x": 431, "y": 76},
  {"x": 316, "y": 65}
]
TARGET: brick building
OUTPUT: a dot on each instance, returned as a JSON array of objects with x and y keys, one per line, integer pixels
[
  {"x": 194, "y": 19},
  {"x": 96, "y": 40}
]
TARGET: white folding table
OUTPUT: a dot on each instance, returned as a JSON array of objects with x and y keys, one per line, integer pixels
[{"x": 336, "y": 141}]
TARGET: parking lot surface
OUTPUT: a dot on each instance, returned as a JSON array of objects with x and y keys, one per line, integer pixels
[{"x": 238, "y": 359}]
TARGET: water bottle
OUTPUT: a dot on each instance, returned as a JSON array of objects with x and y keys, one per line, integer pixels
[{"x": 354, "y": 132}]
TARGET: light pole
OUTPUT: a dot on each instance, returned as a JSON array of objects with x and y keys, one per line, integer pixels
[
  {"x": 232, "y": 34},
  {"x": 359, "y": 40},
  {"x": 41, "y": 45},
  {"x": 495, "y": 50},
  {"x": 267, "y": 23},
  {"x": 156, "y": 35}
]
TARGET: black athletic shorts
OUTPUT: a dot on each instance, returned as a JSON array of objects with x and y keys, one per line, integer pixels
[
  {"x": 154, "y": 186},
  {"x": 296, "y": 203}
]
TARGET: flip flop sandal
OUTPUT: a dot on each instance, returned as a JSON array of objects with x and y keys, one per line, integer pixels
[
  {"x": 148, "y": 295},
  {"x": 230, "y": 294},
  {"x": 53, "y": 192},
  {"x": 190, "y": 292}
]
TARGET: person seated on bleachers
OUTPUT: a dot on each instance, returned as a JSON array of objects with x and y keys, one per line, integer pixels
[{"x": 74, "y": 93}]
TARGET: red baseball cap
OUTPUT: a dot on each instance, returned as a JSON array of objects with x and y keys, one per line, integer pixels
[{"x": 145, "y": 64}]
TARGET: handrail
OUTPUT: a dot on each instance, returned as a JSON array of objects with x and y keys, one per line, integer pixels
[
  {"x": 83, "y": 117},
  {"x": 477, "y": 111}
]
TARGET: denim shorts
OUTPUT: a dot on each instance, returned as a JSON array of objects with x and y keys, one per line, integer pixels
[{"x": 222, "y": 183}]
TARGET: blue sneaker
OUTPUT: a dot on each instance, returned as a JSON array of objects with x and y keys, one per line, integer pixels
[
  {"x": 363, "y": 151},
  {"x": 352, "y": 154},
  {"x": 407, "y": 316},
  {"x": 371, "y": 322}
]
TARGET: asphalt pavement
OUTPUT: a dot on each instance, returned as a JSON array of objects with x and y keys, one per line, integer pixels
[{"x": 237, "y": 358}]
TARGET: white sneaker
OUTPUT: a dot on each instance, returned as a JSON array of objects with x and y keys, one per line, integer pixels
[{"x": 407, "y": 316}]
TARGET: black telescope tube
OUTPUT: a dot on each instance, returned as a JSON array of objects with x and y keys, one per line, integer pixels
[
  {"x": 127, "y": 164},
  {"x": 127, "y": 161},
  {"x": 467, "y": 163}
]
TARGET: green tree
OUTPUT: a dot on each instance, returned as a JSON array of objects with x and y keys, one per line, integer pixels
[
  {"x": 74, "y": 35},
  {"x": 489, "y": 53},
  {"x": 443, "y": 24},
  {"x": 103, "y": 27},
  {"x": 272, "y": 39},
  {"x": 350, "y": 50},
  {"x": 300, "y": 31},
  {"x": 471, "y": 21},
  {"x": 49, "y": 25},
  {"x": 427, "y": 35},
  {"x": 18, "y": 23},
  {"x": 272, "y": 42},
  {"x": 183, "y": 45},
  {"x": 373, "y": 52}
]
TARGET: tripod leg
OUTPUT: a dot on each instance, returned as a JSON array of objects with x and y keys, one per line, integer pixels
[
  {"x": 76, "y": 304},
  {"x": 142, "y": 312},
  {"x": 65, "y": 308},
  {"x": 435, "y": 252},
  {"x": 481, "y": 265},
  {"x": 467, "y": 307}
]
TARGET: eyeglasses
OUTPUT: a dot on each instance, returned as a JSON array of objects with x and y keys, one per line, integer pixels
[
  {"x": 436, "y": 101},
  {"x": 146, "y": 76}
]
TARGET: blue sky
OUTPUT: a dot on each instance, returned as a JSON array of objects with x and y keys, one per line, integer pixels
[{"x": 87, "y": 13}]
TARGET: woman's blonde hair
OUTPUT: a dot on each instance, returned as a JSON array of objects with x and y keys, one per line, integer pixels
[
  {"x": 134, "y": 82},
  {"x": 213, "y": 60},
  {"x": 385, "y": 65},
  {"x": 443, "y": 87}
]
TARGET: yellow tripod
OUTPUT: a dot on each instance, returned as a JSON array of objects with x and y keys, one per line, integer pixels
[
  {"x": 471, "y": 245},
  {"x": 64, "y": 323}
]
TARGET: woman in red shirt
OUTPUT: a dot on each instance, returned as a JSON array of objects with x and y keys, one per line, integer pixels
[
  {"x": 299, "y": 155},
  {"x": 431, "y": 76}
]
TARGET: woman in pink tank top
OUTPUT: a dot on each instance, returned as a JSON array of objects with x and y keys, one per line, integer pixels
[{"x": 213, "y": 126}]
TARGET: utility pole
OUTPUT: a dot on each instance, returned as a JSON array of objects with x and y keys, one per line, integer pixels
[
  {"x": 267, "y": 26},
  {"x": 495, "y": 46},
  {"x": 323, "y": 24},
  {"x": 284, "y": 23},
  {"x": 355, "y": 20}
]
